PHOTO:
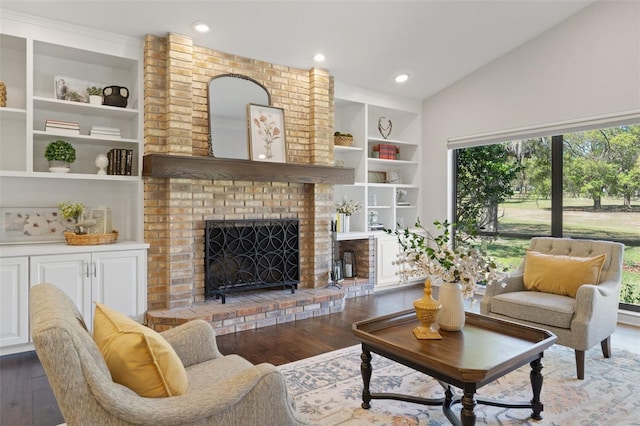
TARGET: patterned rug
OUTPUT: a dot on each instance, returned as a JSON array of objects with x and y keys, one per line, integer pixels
[{"x": 327, "y": 390}]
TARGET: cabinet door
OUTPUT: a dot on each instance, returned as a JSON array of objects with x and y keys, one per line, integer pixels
[
  {"x": 14, "y": 301},
  {"x": 119, "y": 281},
  {"x": 69, "y": 272},
  {"x": 387, "y": 250}
]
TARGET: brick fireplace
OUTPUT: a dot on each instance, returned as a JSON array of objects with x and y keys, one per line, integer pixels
[{"x": 176, "y": 75}]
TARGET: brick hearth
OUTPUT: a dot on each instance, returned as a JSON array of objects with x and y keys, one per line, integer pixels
[{"x": 255, "y": 309}]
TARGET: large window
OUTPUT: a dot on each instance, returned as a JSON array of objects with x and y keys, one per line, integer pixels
[{"x": 580, "y": 185}]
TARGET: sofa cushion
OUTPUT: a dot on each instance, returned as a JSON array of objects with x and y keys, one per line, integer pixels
[
  {"x": 541, "y": 308},
  {"x": 561, "y": 275},
  {"x": 138, "y": 357}
]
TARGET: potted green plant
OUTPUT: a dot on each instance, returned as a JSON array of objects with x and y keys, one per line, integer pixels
[
  {"x": 60, "y": 155},
  {"x": 95, "y": 95}
]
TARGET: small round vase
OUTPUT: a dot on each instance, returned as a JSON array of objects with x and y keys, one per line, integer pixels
[
  {"x": 95, "y": 99},
  {"x": 56, "y": 166},
  {"x": 452, "y": 314},
  {"x": 427, "y": 309}
]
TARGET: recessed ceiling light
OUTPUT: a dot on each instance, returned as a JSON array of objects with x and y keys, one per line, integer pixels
[
  {"x": 200, "y": 27},
  {"x": 401, "y": 78},
  {"x": 319, "y": 57}
]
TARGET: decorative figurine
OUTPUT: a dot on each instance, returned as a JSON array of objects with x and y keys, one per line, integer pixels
[
  {"x": 101, "y": 163},
  {"x": 385, "y": 130}
]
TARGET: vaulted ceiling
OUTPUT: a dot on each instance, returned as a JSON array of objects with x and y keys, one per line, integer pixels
[{"x": 366, "y": 43}]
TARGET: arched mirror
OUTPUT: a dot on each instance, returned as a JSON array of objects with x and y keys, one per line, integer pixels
[{"x": 229, "y": 95}]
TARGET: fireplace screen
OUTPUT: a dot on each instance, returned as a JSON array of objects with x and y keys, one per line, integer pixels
[{"x": 251, "y": 254}]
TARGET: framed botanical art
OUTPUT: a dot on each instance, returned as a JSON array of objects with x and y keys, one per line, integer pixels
[
  {"x": 19, "y": 225},
  {"x": 266, "y": 134}
]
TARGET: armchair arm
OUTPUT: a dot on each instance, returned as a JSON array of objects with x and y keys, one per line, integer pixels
[
  {"x": 256, "y": 382},
  {"x": 194, "y": 342},
  {"x": 510, "y": 283},
  {"x": 596, "y": 310}
]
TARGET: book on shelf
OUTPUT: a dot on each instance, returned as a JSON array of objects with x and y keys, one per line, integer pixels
[
  {"x": 61, "y": 131},
  {"x": 64, "y": 124},
  {"x": 120, "y": 162},
  {"x": 62, "y": 127},
  {"x": 105, "y": 131}
]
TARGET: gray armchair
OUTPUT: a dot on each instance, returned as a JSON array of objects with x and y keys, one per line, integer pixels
[
  {"x": 579, "y": 322},
  {"x": 223, "y": 390}
]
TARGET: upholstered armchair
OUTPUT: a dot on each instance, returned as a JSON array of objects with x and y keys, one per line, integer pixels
[
  {"x": 222, "y": 390},
  {"x": 582, "y": 315}
]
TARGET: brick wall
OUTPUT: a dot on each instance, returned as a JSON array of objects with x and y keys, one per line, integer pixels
[{"x": 176, "y": 77}]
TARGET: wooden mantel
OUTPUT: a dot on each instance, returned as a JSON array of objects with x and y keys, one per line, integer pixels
[{"x": 196, "y": 167}]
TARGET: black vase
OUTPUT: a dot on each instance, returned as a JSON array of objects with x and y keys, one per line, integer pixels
[{"x": 115, "y": 96}]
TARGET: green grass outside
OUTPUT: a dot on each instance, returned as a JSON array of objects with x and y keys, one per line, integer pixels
[{"x": 612, "y": 222}]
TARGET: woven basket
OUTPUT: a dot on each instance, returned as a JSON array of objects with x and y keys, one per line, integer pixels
[
  {"x": 90, "y": 239},
  {"x": 343, "y": 140}
]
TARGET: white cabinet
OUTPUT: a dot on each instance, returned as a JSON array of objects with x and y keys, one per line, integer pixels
[
  {"x": 115, "y": 278},
  {"x": 113, "y": 274},
  {"x": 14, "y": 301},
  {"x": 387, "y": 250},
  {"x": 388, "y": 188},
  {"x": 70, "y": 272},
  {"x": 121, "y": 281},
  {"x": 33, "y": 54}
]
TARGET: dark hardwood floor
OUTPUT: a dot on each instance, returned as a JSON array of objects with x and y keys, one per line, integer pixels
[{"x": 26, "y": 398}]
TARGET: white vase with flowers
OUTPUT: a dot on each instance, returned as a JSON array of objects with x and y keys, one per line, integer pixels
[
  {"x": 459, "y": 265},
  {"x": 345, "y": 209}
]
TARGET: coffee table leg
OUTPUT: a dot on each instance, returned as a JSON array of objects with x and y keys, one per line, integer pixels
[
  {"x": 365, "y": 369},
  {"x": 536, "y": 386},
  {"x": 467, "y": 416}
]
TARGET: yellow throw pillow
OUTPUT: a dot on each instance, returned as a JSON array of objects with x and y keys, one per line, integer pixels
[
  {"x": 560, "y": 274},
  {"x": 138, "y": 357}
]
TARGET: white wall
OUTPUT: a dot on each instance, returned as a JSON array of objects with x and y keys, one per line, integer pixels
[{"x": 586, "y": 66}]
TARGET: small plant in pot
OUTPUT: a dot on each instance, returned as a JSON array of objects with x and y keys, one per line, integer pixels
[
  {"x": 60, "y": 155},
  {"x": 95, "y": 95}
]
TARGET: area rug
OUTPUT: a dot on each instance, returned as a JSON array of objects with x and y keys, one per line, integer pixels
[{"x": 327, "y": 390}]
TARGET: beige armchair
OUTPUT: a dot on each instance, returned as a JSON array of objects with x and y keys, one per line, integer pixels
[
  {"x": 222, "y": 390},
  {"x": 579, "y": 322}
]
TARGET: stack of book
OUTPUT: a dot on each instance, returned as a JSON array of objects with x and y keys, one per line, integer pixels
[
  {"x": 62, "y": 127},
  {"x": 120, "y": 161},
  {"x": 105, "y": 132}
]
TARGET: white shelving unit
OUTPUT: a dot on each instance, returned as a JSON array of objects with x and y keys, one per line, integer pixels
[
  {"x": 33, "y": 52},
  {"x": 357, "y": 112}
]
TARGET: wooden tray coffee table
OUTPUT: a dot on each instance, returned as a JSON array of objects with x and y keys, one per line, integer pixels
[{"x": 483, "y": 351}]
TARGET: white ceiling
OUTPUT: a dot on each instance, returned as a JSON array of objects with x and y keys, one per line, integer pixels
[{"x": 366, "y": 42}]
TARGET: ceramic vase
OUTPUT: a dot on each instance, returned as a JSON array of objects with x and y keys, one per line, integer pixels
[
  {"x": 347, "y": 223},
  {"x": 56, "y": 166},
  {"x": 427, "y": 309},
  {"x": 452, "y": 314}
]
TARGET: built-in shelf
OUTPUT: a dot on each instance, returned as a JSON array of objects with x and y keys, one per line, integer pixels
[{"x": 193, "y": 167}]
